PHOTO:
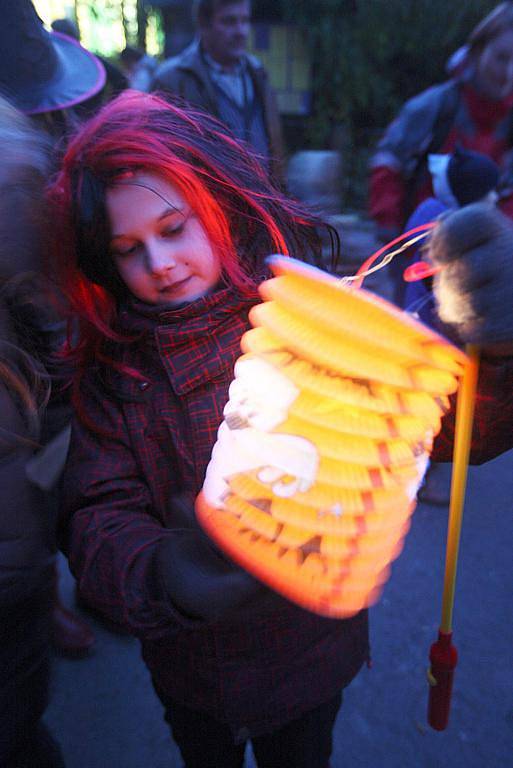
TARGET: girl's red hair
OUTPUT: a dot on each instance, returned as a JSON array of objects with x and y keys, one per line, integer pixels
[{"x": 244, "y": 214}]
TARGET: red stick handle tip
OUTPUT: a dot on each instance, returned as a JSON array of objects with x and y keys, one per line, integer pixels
[{"x": 443, "y": 657}]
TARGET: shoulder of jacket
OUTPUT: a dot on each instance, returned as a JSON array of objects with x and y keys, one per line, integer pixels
[
  {"x": 189, "y": 60},
  {"x": 255, "y": 63},
  {"x": 432, "y": 98}
]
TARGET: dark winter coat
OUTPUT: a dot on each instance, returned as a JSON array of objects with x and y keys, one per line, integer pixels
[
  {"x": 27, "y": 552},
  {"x": 273, "y": 662}
]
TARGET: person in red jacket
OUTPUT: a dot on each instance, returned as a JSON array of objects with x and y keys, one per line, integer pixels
[
  {"x": 473, "y": 110},
  {"x": 162, "y": 223}
]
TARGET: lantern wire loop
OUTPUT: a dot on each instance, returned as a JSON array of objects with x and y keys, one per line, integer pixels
[{"x": 411, "y": 237}]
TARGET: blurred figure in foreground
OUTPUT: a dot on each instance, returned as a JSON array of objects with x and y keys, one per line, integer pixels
[
  {"x": 27, "y": 549},
  {"x": 217, "y": 74},
  {"x": 47, "y": 75}
]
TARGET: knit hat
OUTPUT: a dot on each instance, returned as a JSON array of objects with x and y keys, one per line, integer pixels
[
  {"x": 41, "y": 71},
  {"x": 463, "y": 177}
]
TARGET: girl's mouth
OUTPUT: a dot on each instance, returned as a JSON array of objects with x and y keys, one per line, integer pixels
[{"x": 175, "y": 287}]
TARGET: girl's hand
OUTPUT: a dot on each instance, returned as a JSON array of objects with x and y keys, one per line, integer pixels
[
  {"x": 474, "y": 287},
  {"x": 199, "y": 581}
]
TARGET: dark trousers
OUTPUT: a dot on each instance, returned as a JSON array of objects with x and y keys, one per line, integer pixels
[{"x": 303, "y": 743}]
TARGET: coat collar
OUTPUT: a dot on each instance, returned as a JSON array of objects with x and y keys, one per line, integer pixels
[
  {"x": 197, "y": 342},
  {"x": 192, "y": 59}
]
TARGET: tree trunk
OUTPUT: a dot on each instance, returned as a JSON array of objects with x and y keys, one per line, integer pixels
[
  {"x": 142, "y": 18},
  {"x": 124, "y": 21}
]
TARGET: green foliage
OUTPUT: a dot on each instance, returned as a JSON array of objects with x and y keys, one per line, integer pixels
[{"x": 369, "y": 56}]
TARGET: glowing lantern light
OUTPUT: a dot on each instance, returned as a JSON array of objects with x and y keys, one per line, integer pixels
[{"x": 325, "y": 439}]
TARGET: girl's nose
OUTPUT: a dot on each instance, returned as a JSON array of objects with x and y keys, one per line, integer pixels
[{"x": 159, "y": 258}]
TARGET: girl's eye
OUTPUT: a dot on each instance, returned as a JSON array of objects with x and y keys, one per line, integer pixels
[
  {"x": 176, "y": 230},
  {"x": 125, "y": 251}
]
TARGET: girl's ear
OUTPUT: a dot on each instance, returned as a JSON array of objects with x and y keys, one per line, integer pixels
[{"x": 92, "y": 231}]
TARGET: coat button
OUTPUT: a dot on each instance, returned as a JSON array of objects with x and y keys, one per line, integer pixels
[{"x": 143, "y": 385}]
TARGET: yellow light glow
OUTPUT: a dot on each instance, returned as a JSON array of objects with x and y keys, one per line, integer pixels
[
  {"x": 49, "y": 10},
  {"x": 101, "y": 24}
]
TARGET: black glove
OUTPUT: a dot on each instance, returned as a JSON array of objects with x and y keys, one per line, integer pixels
[
  {"x": 199, "y": 581},
  {"x": 474, "y": 288}
]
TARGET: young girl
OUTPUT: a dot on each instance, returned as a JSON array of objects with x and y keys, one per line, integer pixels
[{"x": 162, "y": 226}]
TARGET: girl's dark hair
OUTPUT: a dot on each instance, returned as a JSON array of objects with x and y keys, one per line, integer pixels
[{"x": 244, "y": 215}]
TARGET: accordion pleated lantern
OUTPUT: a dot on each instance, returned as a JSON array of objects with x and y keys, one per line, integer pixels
[{"x": 326, "y": 439}]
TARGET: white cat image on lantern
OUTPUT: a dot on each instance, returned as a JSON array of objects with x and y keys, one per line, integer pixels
[{"x": 249, "y": 437}]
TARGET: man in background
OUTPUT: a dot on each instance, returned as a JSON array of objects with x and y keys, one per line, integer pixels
[{"x": 217, "y": 74}]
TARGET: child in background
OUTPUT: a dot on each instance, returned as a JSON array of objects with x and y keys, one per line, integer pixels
[
  {"x": 458, "y": 179},
  {"x": 162, "y": 226}
]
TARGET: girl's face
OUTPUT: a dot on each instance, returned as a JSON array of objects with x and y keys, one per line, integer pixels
[
  {"x": 495, "y": 67},
  {"x": 158, "y": 244}
]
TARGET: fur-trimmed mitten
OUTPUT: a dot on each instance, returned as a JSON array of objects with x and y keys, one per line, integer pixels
[{"x": 474, "y": 287}]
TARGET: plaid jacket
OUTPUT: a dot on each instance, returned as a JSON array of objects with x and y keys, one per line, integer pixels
[{"x": 274, "y": 662}]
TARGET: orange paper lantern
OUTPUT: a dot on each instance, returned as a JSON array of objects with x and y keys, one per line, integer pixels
[{"x": 325, "y": 439}]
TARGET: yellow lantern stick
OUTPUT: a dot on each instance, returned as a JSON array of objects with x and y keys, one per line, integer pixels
[{"x": 443, "y": 655}]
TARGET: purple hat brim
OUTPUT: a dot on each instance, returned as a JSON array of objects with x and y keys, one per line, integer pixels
[{"x": 80, "y": 76}]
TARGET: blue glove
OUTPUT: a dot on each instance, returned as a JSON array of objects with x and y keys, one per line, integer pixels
[{"x": 474, "y": 288}]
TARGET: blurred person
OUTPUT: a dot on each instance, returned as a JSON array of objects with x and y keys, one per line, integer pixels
[
  {"x": 140, "y": 67},
  {"x": 47, "y": 76},
  {"x": 473, "y": 109},
  {"x": 217, "y": 74},
  {"x": 27, "y": 527}
]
